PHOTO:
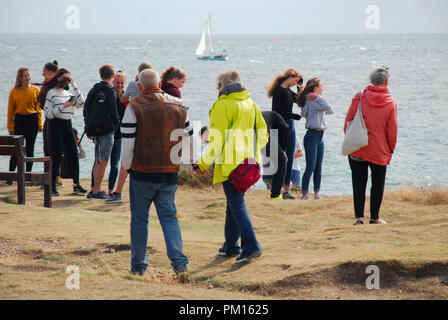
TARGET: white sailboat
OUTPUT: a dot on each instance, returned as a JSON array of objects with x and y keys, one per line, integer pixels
[{"x": 201, "y": 51}]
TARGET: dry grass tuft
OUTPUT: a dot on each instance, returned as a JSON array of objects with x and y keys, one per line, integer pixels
[{"x": 432, "y": 195}]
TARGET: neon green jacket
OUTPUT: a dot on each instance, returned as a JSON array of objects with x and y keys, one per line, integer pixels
[{"x": 231, "y": 134}]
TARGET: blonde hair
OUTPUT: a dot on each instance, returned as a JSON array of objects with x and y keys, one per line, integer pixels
[
  {"x": 227, "y": 77},
  {"x": 280, "y": 78},
  {"x": 19, "y": 76},
  {"x": 120, "y": 74}
]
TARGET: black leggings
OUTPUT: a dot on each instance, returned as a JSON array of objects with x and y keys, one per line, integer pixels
[
  {"x": 62, "y": 141},
  {"x": 27, "y": 126},
  {"x": 359, "y": 181}
]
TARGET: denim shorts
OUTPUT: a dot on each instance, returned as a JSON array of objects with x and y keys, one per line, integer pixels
[{"x": 103, "y": 146}]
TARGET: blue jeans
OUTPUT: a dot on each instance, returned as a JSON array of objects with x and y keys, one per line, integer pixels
[
  {"x": 238, "y": 224},
  {"x": 142, "y": 194},
  {"x": 295, "y": 177},
  {"x": 290, "y": 152},
  {"x": 114, "y": 163},
  {"x": 313, "y": 143}
]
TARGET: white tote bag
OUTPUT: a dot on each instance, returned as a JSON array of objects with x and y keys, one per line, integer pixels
[{"x": 356, "y": 135}]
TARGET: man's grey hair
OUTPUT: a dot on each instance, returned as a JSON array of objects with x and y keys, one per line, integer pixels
[
  {"x": 148, "y": 78},
  {"x": 379, "y": 75}
]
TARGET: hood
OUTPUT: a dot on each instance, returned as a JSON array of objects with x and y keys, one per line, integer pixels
[
  {"x": 378, "y": 97},
  {"x": 101, "y": 85},
  {"x": 234, "y": 90}
]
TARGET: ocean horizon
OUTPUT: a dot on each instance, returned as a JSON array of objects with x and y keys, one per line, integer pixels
[{"x": 419, "y": 84}]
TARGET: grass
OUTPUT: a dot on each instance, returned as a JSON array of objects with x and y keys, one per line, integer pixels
[{"x": 311, "y": 250}]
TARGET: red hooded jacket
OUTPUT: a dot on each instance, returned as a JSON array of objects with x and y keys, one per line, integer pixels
[{"x": 379, "y": 111}]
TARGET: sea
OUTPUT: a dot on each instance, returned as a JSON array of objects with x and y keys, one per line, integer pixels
[{"x": 419, "y": 84}]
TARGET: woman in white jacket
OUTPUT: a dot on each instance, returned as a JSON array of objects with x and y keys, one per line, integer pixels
[{"x": 59, "y": 107}]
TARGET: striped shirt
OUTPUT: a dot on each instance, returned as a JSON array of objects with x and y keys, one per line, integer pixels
[{"x": 55, "y": 100}]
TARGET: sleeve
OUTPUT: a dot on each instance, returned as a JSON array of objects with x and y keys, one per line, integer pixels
[
  {"x": 392, "y": 129},
  {"x": 128, "y": 91},
  {"x": 128, "y": 133},
  {"x": 79, "y": 102},
  {"x": 190, "y": 147},
  {"x": 217, "y": 136},
  {"x": 49, "y": 107},
  {"x": 322, "y": 105},
  {"x": 283, "y": 132},
  {"x": 352, "y": 110},
  {"x": 262, "y": 132},
  {"x": 11, "y": 112},
  {"x": 40, "y": 123},
  {"x": 111, "y": 98}
]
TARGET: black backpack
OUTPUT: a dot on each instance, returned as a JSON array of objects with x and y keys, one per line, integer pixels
[{"x": 97, "y": 119}]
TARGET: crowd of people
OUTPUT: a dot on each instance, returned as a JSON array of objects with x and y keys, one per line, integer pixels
[{"x": 141, "y": 132}]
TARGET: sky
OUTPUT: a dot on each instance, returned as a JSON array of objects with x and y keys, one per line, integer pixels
[{"x": 228, "y": 17}]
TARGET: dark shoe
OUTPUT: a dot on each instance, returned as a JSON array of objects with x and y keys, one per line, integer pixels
[
  {"x": 97, "y": 196},
  {"x": 246, "y": 258},
  {"x": 114, "y": 198},
  {"x": 54, "y": 193},
  {"x": 79, "y": 190},
  {"x": 358, "y": 222},
  {"x": 138, "y": 273},
  {"x": 223, "y": 253},
  {"x": 9, "y": 183},
  {"x": 288, "y": 195}
]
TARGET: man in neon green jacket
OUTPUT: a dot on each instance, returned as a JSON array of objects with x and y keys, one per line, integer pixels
[{"x": 232, "y": 120}]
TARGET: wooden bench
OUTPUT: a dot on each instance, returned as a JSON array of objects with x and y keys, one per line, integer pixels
[{"x": 13, "y": 146}]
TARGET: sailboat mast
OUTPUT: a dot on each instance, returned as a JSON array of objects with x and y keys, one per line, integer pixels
[{"x": 210, "y": 33}]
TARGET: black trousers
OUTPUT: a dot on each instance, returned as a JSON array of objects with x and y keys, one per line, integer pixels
[
  {"x": 359, "y": 181},
  {"x": 62, "y": 142},
  {"x": 27, "y": 126},
  {"x": 278, "y": 177}
]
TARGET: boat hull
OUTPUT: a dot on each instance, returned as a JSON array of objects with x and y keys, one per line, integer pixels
[{"x": 213, "y": 58}]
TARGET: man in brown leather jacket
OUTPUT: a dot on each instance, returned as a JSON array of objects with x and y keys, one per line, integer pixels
[{"x": 152, "y": 130}]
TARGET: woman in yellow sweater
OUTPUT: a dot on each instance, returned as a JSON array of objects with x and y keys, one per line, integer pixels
[{"x": 24, "y": 114}]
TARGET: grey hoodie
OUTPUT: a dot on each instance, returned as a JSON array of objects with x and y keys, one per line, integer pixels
[{"x": 314, "y": 112}]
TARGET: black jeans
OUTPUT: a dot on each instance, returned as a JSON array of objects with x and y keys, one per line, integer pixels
[
  {"x": 279, "y": 177},
  {"x": 359, "y": 181},
  {"x": 62, "y": 141},
  {"x": 27, "y": 126}
]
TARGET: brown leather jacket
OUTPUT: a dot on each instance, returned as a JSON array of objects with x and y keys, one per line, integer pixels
[{"x": 158, "y": 114}]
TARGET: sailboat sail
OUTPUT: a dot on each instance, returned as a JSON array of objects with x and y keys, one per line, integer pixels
[{"x": 200, "y": 51}]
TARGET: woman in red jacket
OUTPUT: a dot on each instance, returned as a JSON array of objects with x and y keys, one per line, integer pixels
[{"x": 379, "y": 111}]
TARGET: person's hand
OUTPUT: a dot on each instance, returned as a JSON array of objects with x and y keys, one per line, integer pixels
[
  {"x": 284, "y": 152},
  {"x": 311, "y": 96},
  {"x": 197, "y": 170},
  {"x": 69, "y": 103},
  {"x": 91, "y": 138}
]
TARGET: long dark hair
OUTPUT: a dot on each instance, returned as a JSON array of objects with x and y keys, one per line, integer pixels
[
  {"x": 281, "y": 78},
  {"x": 50, "y": 84},
  {"x": 310, "y": 85}
]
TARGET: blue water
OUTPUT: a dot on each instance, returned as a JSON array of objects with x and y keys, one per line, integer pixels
[{"x": 419, "y": 84}]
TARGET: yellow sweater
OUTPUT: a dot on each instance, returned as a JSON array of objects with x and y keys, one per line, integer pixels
[{"x": 24, "y": 102}]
